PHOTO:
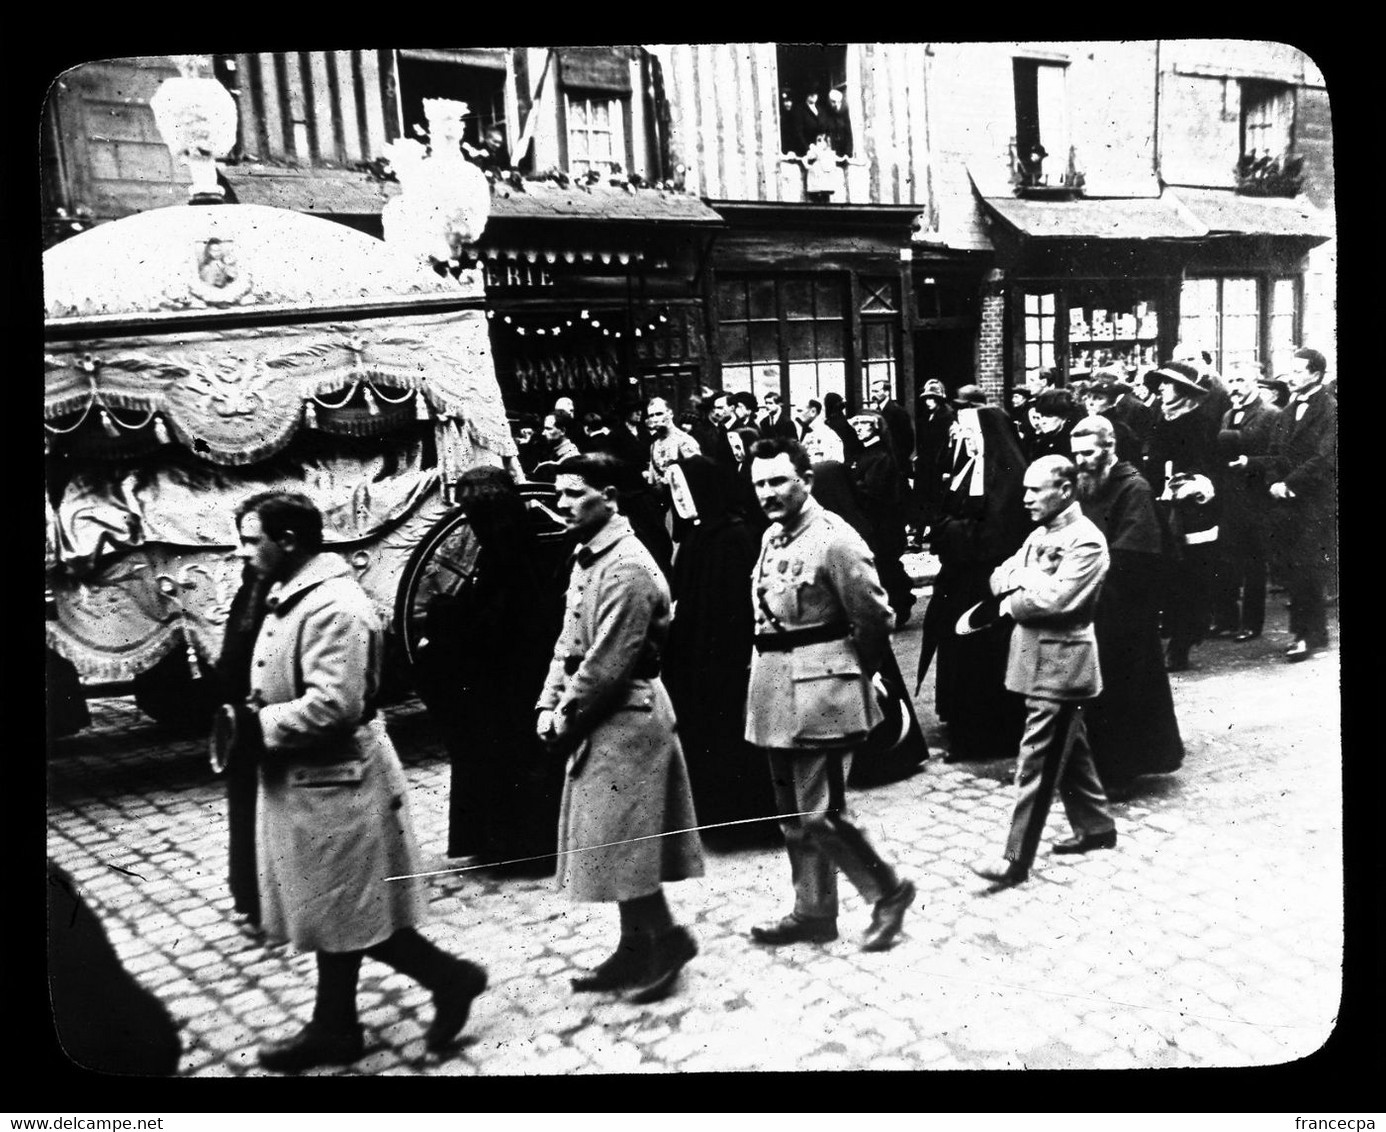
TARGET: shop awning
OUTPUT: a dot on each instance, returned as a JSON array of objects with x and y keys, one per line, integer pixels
[
  {"x": 350, "y": 193},
  {"x": 1128, "y": 218},
  {"x": 1224, "y": 212},
  {"x": 323, "y": 192},
  {"x": 543, "y": 200}
]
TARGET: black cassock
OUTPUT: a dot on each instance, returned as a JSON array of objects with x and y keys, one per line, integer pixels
[{"x": 1131, "y": 725}]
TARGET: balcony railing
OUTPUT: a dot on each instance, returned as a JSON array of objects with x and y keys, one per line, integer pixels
[
  {"x": 1267, "y": 176},
  {"x": 828, "y": 180},
  {"x": 1031, "y": 179}
]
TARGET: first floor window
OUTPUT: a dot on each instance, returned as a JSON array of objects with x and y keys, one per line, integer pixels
[{"x": 596, "y": 134}]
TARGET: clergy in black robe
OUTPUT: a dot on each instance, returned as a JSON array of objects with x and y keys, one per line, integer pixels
[
  {"x": 896, "y": 748},
  {"x": 980, "y": 522},
  {"x": 1131, "y": 725},
  {"x": 706, "y": 664}
]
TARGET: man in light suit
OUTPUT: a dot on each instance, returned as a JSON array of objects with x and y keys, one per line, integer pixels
[
  {"x": 1049, "y": 587},
  {"x": 822, "y": 631}
]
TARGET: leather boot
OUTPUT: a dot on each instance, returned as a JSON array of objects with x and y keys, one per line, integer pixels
[
  {"x": 672, "y": 949},
  {"x": 620, "y": 969},
  {"x": 313, "y": 1045}
]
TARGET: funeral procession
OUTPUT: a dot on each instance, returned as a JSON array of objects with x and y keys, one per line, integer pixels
[{"x": 692, "y": 558}]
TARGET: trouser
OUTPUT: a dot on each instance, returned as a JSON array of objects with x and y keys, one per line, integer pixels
[
  {"x": 1304, "y": 583},
  {"x": 406, "y": 951},
  {"x": 1054, "y": 752},
  {"x": 1241, "y": 589},
  {"x": 824, "y": 838}
]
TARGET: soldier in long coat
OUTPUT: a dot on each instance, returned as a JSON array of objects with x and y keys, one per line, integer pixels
[
  {"x": 333, "y": 824},
  {"x": 626, "y": 819}
]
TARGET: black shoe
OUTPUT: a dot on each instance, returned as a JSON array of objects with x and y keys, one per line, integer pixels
[
  {"x": 1247, "y": 635},
  {"x": 794, "y": 929},
  {"x": 887, "y": 916},
  {"x": 671, "y": 951},
  {"x": 313, "y": 1045},
  {"x": 1002, "y": 874},
  {"x": 1106, "y": 840},
  {"x": 452, "y": 1004},
  {"x": 619, "y": 970}
]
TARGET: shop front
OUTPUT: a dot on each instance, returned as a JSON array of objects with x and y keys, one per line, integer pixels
[
  {"x": 1249, "y": 286},
  {"x": 596, "y": 294},
  {"x": 810, "y": 300},
  {"x": 1090, "y": 283}
]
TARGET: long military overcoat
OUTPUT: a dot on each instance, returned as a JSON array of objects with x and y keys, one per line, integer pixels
[
  {"x": 626, "y": 798},
  {"x": 333, "y": 820}
]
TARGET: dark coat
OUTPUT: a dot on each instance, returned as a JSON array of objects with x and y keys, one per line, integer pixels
[
  {"x": 1131, "y": 725},
  {"x": 931, "y": 446},
  {"x": 901, "y": 429},
  {"x": 242, "y": 775},
  {"x": 1136, "y": 415},
  {"x": 487, "y": 651},
  {"x": 972, "y": 534},
  {"x": 1304, "y": 457},
  {"x": 839, "y": 130},
  {"x": 1246, "y": 501},
  {"x": 707, "y": 659}
]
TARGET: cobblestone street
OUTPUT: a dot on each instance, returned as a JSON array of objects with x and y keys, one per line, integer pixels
[{"x": 1211, "y": 936}]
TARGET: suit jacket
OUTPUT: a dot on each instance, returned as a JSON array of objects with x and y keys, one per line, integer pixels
[
  {"x": 817, "y": 695},
  {"x": 1054, "y": 581},
  {"x": 781, "y": 424},
  {"x": 1304, "y": 449}
]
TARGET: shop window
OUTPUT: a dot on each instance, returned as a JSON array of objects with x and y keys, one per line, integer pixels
[
  {"x": 1284, "y": 323},
  {"x": 1041, "y": 123},
  {"x": 813, "y": 102},
  {"x": 1111, "y": 326},
  {"x": 1040, "y": 325},
  {"x": 476, "y": 77},
  {"x": 785, "y": 335},
  {"x": 1222, "y": 316}
]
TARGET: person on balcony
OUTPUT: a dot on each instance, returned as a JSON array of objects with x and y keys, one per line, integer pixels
[
  {"x": 839, "y": 123},
  {"x": 791, "y": 127}
]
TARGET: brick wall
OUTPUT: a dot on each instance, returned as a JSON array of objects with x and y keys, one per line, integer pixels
[{"x": 991, "y": 349}]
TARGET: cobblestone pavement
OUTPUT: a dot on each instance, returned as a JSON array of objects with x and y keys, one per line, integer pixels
[{"x": 1211, "y": 936}]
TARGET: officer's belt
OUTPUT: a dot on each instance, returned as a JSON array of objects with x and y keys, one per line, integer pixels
[
  {"x": 646, "y": 668},
  {"x": 788, "y": 639}
]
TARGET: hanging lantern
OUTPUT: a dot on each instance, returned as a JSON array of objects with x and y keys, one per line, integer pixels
[
  {"x": 160, "y": 430},
  {"x": 421, "y": 409},
  {"x": 310, "y": 417}
]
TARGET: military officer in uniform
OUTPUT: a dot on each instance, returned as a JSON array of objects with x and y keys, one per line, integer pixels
[
  {"x": 822, "y": 630},
  {"x": 1050, "y": 587}
]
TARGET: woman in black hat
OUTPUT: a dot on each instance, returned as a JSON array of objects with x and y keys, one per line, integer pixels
[{"x": 1180, "y": 464}]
